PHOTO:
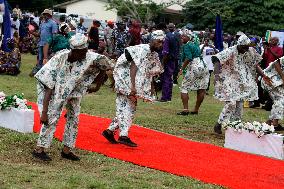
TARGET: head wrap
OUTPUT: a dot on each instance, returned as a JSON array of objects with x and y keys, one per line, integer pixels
[
  {"x": 158, "y": 34},
  {"x": 188, "y": 33},
  {"x": 243, "y": 40},
  {"x": 78, "y": 41}
]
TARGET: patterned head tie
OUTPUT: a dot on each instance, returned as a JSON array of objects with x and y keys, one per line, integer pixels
[
  {"x": 158, "y": 35},
  {"x": 243, "y": 40},
  {"x": 78, "y": 41},
  {"x": 188, "y": 33}
]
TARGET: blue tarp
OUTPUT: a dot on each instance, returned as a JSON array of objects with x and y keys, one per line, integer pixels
[
  {"x": 219, "y": 34},
  {"x": 6, "y": 26}
]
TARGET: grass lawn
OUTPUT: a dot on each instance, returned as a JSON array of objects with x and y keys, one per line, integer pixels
[{"x": 19, "y": 170}]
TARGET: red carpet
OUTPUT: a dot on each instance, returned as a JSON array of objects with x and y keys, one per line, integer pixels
[{"x": 205, "y": 162}]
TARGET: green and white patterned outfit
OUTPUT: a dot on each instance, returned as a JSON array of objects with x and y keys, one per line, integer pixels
[
  {"x": 69, "y": 82},
  {"x": 276, "y": 91},
  {"x": 148, "y": 65},
  {"x": 235, "y": 81},
  {"x": 197, "y": 73}
]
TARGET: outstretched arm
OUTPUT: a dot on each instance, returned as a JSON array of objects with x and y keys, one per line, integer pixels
[
  {"x": 279, "y": 70},
  {"x": 266, "y": 79}
]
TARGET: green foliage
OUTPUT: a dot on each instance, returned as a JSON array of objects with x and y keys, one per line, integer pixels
[
  {"x": 144, "y": 11},
  {"x": 254, "y": 16}
]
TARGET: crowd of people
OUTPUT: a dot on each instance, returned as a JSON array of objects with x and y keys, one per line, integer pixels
[{"x": 140, "y": 60}]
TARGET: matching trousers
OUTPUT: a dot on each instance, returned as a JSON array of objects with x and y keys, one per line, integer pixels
[
  {"x": 71, "y": 127},
  {"x": 125, "y": 110},
  {"x": 277, "y": 95},
  {"x": 232, "y": 111}
]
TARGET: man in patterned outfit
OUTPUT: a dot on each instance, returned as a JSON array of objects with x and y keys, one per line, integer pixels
[
  {"x": 133, "y": 74},
  {"x": 63, "y": 81},
  {"x": 235, "y": 79},
  {"x": 275, "y": 71}
]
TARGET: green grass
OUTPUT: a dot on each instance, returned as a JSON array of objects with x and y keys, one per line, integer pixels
[{"x": 19, "y": 170}]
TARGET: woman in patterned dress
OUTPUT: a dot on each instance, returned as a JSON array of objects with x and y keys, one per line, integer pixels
[{"x": 197, "y": 74}]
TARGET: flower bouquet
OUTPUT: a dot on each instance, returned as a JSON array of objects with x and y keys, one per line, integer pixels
[
  {"x": 258, "y": 128},
  {"x": 257, "y": 138},
  {"x": 15, "y": 114}
]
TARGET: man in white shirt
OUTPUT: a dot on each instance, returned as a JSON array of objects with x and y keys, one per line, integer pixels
[{"x": 207, "y": 51}]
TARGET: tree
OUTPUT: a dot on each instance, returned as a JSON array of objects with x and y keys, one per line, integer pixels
[
  {"x": 142, "y": 10},
  {"x": 254, "y": 16}
]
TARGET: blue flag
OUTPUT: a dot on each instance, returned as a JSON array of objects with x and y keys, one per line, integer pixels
[
  {"x": 219, "y": 34},
  {"x": 6, "y": 26}
]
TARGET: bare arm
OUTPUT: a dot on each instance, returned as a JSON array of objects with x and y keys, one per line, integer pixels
[
  {"x": 266, "y": 79},
  {"x": 45, "y": 53},
  {"x": 133, "y": 71},
  {"x": 46, "y": 99}
]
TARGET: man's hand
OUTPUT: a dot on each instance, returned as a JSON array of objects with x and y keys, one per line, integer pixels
[
  {"x": 44, "y": 118},
  {"x": 267, "y": 80},
  {"x": 45, "y": 60}
]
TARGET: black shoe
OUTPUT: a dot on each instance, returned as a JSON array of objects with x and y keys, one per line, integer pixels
[
  {"x": 41, "y": 155},
  {"x": 162, "y": 100},
  {"x": 255, "y": 106},
  {"x": 183, "y": 113},
  {"x": 109, "y": 136},
  {"x": 126, "y": 141},
  {"x": 279, "y": 128},
  {"x": 193, "y": 113},
  {"x": 70, "y": 156},
  {"x": 217, "y": 128}
]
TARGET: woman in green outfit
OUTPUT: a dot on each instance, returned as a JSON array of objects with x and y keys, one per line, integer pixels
[
  {"x": 57, "y": 42},
  {"x": 197, "y": 74}
]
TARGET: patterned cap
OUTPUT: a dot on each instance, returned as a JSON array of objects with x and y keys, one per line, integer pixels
[
  {"x": 243, "y": 40},
  {"x": 158, "y": 34},
  {"x": 78, "y": 41}
]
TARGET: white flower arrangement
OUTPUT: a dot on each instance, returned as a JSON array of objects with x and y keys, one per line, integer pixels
[
  {"x": 15, "y": 101},
  {"x": 258, "y": 128}
]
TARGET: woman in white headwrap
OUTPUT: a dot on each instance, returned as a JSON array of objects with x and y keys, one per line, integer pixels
[
  {"x": 133, "y": 75},
  {"x": 63, "y": 81},
  {"x": 197, "y": 73},
  {"x": 235, "y": 79}
]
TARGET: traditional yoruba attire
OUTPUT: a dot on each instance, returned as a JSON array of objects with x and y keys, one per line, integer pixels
[
  {"x": 236, "y": 79},
  {"x": 276, "y": 91},
  {"x": 120, "y": 41},
  {"x": 148, "y": 65},
  {"x": 197, "y": 73},
  {"x": 69, "y": 82}
]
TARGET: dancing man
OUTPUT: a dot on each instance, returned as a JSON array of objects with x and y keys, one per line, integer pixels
[
  {"x": 235, "y": 72},
  {"x": 133, "y": 74},
  {"x": 63, "y": 81},
  {"x": 275, "y": 71}
]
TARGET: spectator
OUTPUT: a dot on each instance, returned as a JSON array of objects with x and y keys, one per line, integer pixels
[
  {"x": 17, "y": 11},
  {"x": 207, "y": 51},
  {"x": 170, "y": 53},
  {"x": 107, "y": 35},
  {"x": 48, "y": 28},
  {"x": 15, "y": 25},
  {"x": 94, "y": 35},
  {"x": 81, "y": 28},
  {"x": 120, "y": 39},
  {"x": 135, "y": 33}
]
